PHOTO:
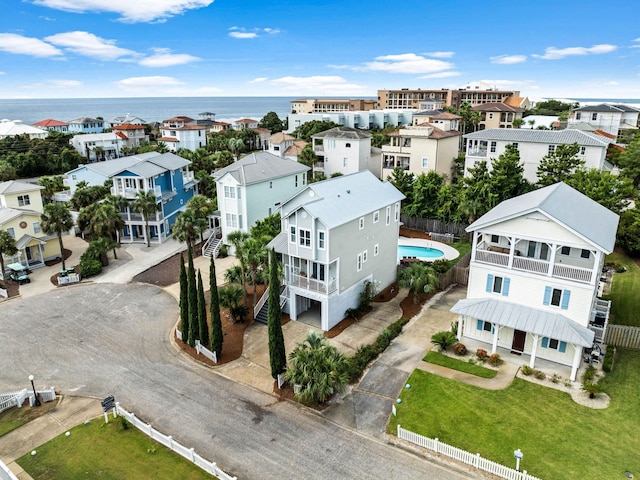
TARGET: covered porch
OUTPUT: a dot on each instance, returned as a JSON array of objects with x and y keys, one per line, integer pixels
[{"x": 523, "y": 330}]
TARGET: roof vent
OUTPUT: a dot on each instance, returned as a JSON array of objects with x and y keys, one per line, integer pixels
[{"x": 348, "y": 191}]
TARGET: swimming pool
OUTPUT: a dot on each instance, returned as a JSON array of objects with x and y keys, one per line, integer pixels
[{"x": 419, "y": 252}]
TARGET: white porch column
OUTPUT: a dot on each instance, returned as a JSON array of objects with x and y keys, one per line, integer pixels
[
  {"x": 552, "y": 260},
  {"x": 460, "y": 327},
  {"x": 576, "y": 362},
  {"x": 534, "y": 350},
  {"x": 494, "y": 345},
  {"x": 474, "y": 246},
  {"x": 293, "y": 306},
  {"x": 595, "y": 271},
  {"x": 512, "y": 251}
]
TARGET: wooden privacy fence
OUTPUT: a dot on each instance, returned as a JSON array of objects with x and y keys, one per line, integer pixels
[
  {"x": 475, "y": 460},
  {"x": 433, "y": 225},
  {"x": 623, "y": 336},
  {"x": 458, "y": 274},
  {"x": 169, "y": 442}
]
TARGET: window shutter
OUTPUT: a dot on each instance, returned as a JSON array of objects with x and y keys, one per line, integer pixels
[
  {"x": 563, "y": 347},
  {"x": 545, "y": 342},
  {"x": 505, "y": 286},
  {"x": 479, "y": 325},
  {"x": 547, "y": 296},
  {"x": 489, "y": 283},
  {"x": 565, "y": 299}
]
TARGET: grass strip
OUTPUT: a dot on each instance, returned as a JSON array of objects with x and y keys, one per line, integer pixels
[{"x": 439, "y": 359}]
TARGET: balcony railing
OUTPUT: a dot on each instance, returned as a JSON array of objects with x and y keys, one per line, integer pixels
[
  {"x": 312, "y": 284},
  {"x": 187, "y": 177},
  {"x": 477, "y": 152},
  {"x": 534, "y": 265}
]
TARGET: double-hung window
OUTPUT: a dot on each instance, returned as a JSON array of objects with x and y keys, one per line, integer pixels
[
  {"x": 23, "y": 200},
  {"x": 229, "y": 191},
  {"x": 305, "y": 237},
  {"x": 321, "y": 239},
  {"x": 376, "y": 216},
  {"x": 292, "y": 233},
  {"x": 484, "y": 326},
  {"x": 388, "y": 215},
  {"x": 556, "y": 297},
  {"x": 553, "y": 344},
  {"x": 359, "y": 262},
  {"x": 497, "y": 284},
  {"x": 360, "y": 223}
]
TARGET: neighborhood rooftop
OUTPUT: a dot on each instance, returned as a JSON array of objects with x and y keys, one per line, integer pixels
[
  {"x": 567, "y": 136},
  {"x": 166, "y": 161},
  {"x": 260, "y": 166},
  {"x": 585, "y": 217},
  {"x": 343, "y": 132},
  {"x": 16, "y": 186}
]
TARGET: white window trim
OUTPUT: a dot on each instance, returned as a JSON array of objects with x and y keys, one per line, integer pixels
[
  {"x": 360, "y": 223},
  {"x": 376, "y": 250},
  {"x": 304, "y": 237},
  {"x": 359, "y": 262},
  {"x": 365, "y": 255},
  {"x": 376, "y": 216},
  {"x": 388, "y": 213},
  {"x": 322, "y": 241}
]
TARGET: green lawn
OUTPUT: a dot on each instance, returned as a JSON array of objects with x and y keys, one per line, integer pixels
[
  {"x": 625, "y": 303},
  {"x": 559, "y": 438},
  {"x": 108, "y": 452},
  {"x": 455, "y": 364}
]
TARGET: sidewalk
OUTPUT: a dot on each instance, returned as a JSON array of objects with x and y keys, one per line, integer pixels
[{"x": 69, "y": 412}]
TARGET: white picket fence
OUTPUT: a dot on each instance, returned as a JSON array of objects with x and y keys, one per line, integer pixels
[
  {"x": 169, "y": 442},
  {"x": 475, "y": 460},
  {"x": 200, "y": 349},
  {"x": 5, "y": 473},
  {"x": 17, "y": 398}
]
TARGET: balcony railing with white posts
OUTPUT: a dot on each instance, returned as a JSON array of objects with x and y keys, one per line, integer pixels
[
  {"x": 312, "y": 284},
  {"x": 187, "y": 177},
  {"x": 130, "y": 193},
  {"x": 534, "y": 265}
]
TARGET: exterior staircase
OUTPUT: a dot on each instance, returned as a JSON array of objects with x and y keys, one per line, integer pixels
[
  {"x": 262, "y": 307},
  {"x": 211, "y": 247}
]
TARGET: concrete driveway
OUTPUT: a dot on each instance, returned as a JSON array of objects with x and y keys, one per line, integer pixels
[{"x": 101, "y": 339}]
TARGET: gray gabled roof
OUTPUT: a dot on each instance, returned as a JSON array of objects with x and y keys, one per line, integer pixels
[
  {"x": 259, "y": 167},
  {"x": 538, "y": 322},
  {"x": 8, "y": 214},
  {"x": 156, "y": 163},
  {"x": 342, "y": 199},
  {"x": 555, "y": 137},
  {"x": 606, "y": 107},
  {"x": 343, "y": 132},
  {"x": 567, "y": 206},
  {"x": 15, "y": 186}
]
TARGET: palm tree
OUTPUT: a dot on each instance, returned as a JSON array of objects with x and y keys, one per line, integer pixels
[
  {"x": 202, "y": 207},
  {"x": 318, "y": 368},
  {"x": 54, "y": 220},
  {"x": 231, "y": 297},
  {"x": 237, "y": 239},
  {"x": 7, "y": 247},
  {"x": 419, "y": 277},
  {"x": 184, "y": 229},
  {"x": 146, "y": 205},
  {"x": 254, "y": 254},
  {"x": 107, "y": 222},
  {"x": 236, "y": 145},
  {"x": 161, "y": 147},
  {"x": 51, "y": 186}
]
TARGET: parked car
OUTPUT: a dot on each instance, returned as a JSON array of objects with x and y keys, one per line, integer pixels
[{"x": 18, "y": 273}]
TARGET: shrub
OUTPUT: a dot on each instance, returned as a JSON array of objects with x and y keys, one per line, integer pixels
[
  {"x": 90, "y": 266},
  {"x": 526, "y": 370},
  {"x": 495, "y": 360},
  {"x": 539, "y": 374},
  {"x": 589, "y": 374},
  {"x": 460, "y": 349},
  {"x": 443, "y": 340},
  {"x": 224, "y": 251},
  {"x": 472, "y": 361},
  {"x": 440, "y": 266},
  {"x": 592, "y": 389},
  {"x": 482, "y": 354},
  {"x": 124, "y": 423},
  {"x": 555, "y": 378},
  {"x": 607, "y": 362}
]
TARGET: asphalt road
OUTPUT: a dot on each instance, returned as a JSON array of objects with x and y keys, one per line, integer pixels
[{"x": 103, "y": 339}]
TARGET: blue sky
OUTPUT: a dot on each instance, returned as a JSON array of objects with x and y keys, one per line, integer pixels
[{"x": 130, "y": 48}]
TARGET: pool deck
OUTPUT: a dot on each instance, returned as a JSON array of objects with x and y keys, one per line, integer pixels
[{"x": 450, "y": 253}]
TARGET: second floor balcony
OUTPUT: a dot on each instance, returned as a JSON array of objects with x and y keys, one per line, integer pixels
[
  {"x": 130, "y": 192},
  {"x": 308, "y": 283}
]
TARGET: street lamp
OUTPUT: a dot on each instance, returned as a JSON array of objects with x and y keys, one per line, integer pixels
[
  {"x": 518, "y": 456},
  {"x": 37, "y": 402}
]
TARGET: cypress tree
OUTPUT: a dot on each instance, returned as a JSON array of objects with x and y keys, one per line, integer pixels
[
  {"x": 203, "y": 328},
  {"x": 214, "y": 306},
  {"x": 277, "y": 353},
  {"x": 184, "y": 302},
  {"x": 192, "y": 293}
]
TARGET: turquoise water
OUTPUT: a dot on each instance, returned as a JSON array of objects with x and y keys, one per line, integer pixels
[{"x": 420, "y": 252}]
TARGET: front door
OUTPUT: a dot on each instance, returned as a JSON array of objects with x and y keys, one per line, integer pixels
[{"x": 517, "y": 346}]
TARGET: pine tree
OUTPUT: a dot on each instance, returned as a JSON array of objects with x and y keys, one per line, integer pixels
[
  {"x": 277, "y": 353},
  {"x": 203, "y": 328},
  {"x": 184, "y": 301},
  {"x": 192, "y": 293},
  {"x": 214, "y": 306}
]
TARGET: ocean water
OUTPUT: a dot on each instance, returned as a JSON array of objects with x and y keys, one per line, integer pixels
[{"x": 227, "y": 109}]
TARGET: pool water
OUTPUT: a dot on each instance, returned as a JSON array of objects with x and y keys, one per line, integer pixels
[{"x": 419, "y": 252}]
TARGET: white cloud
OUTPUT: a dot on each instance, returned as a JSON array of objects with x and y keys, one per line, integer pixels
[
  {"x": 508, "y": 59},
  {"x": 12, "y": 43},
  {"x": 318, "y": 85},
  {"x": 258, "y": 80},
  {"x": 553, "y": 53},
  {"x": 164, "y": 58},
  {"x": 440, "y": 54},
  {"x": 129, "y": 11},
  {"x": 405, "y": 63},
  {"x": 249, "y": 33},
  {"x": 243, "y": 35},
  {"x": 61, "y": 84},
  {"x": 90, "y": 45},
  {"x": 612, "y": 83},
  {"x": 135, "y": 83},
  {"x": 442, "y": 75}
]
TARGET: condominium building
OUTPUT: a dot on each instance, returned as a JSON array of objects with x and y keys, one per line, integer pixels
[
  {"x": 407, "y": 98},
  {"x": 322, "y": 105}
]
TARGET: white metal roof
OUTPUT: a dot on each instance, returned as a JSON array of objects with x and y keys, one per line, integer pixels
[
  {"x": 567, "y": 206},
  {"x": 554, "y": 137},
  {"x": 259, "y": 167},
  {"x": 519, "y": 317}
]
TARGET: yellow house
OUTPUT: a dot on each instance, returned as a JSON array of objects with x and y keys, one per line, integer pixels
[{"x": 20, "y": 210}]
